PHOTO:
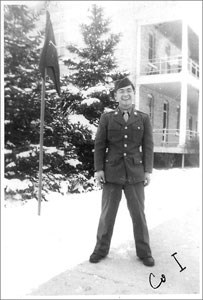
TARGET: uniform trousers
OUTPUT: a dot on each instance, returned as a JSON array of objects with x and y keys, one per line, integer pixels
[{"x": 111, "y": 197}]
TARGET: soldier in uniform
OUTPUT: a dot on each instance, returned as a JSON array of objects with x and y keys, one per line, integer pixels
[{"x": 123, "y": 160}]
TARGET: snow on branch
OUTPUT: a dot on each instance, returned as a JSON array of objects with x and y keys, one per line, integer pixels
[{"x": 90, "y": 101}]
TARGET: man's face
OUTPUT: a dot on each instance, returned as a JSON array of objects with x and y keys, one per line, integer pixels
[{"x": 125, "y": 97}]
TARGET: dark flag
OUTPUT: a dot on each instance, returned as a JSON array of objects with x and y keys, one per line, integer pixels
[{"x": 49, "y": 56}]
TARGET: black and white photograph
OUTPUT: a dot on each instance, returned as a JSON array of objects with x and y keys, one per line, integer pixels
[{"x": 101, "y": 165}]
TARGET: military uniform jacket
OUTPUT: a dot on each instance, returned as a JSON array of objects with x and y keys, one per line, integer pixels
[{"x": 124, "y": 150}]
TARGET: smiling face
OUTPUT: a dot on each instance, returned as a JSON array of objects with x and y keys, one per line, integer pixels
[{"x": 125, "y": 97}]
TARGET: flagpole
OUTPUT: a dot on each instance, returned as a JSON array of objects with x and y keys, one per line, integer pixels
[
  {"x": 48, "y": 65},
  {"x": 41, "y": 143}
]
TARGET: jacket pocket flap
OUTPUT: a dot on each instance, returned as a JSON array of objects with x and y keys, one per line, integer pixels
[{"x": 137, "y": 160}]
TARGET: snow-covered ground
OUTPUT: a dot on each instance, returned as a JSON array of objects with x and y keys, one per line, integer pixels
[{"x": 37, "y": 248}]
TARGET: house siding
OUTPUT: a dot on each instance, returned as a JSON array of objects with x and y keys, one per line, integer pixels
[
  {"x": 161, "y": 42},
  {"x": 157, "y": 116}
]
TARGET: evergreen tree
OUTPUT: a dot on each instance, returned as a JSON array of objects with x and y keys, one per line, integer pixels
[
  {"x": 97, "y": 57},
  {"x": 22, "y": 44},
  {"x": 94, "y": 67},
  {"x": 21, "y": 88},
  {"x": 22, "y": 81}
]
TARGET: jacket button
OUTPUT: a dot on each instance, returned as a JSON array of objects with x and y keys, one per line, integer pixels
[
  {"x": 125, "y": 145},
  {"x": 138, "y": 127},
  {"x": 125, "y": 136},
  {"x": 126, "y": 127},
  {"x": 141, "y": 161},
  {"x": 124, "y": 154}
]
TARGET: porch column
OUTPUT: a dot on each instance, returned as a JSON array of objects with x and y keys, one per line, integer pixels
[
  {"x": 183, "y": 106},
  {"x": 137, "y": 96},
  {"x": 138, "y": 63},
  {"x": 199, "y": 109}
]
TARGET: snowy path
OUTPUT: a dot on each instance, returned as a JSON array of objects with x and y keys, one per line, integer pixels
[{"x": 48, "y": 254}]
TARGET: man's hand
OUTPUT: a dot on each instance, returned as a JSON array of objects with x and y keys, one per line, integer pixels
[
  {"x": 147, "y": 178},
  {"x": 100, "y": 177}
]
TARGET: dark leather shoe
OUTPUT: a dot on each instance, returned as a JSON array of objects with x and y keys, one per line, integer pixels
[
  {"x": 96, "y": 257},
  {"x": 148, "y": 261}
]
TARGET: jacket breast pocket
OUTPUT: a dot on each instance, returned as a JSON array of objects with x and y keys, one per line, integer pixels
[
  {"x": 114, "y": 135},
  {"x": 137, "y": 132}
]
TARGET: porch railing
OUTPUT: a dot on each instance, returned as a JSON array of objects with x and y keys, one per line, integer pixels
[
  {"x": 170, "y": 137},
  {"x": 167, "y": 65},
  {"x": 193, "y": 67}
]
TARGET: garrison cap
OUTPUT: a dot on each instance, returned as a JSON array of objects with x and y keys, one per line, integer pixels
[{"x": 123, "y": 83}]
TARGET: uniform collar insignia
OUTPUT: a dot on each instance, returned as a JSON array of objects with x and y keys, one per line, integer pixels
[{"x": 119, "y": 118}]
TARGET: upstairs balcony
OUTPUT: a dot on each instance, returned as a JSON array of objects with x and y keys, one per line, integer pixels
[{"x": 168, "y": 65}]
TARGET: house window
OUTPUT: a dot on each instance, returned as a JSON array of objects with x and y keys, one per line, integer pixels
[
  {"x": 165, "y": 121},
  {"x": 178, "y": 118},
  {"x": 196, "y": 126},
  {"x": 190, "y": 126},
  {"x": 151, "y": 106},
  {"x": 151, "y": 51},
  {"x": 168, "y": 54}
]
